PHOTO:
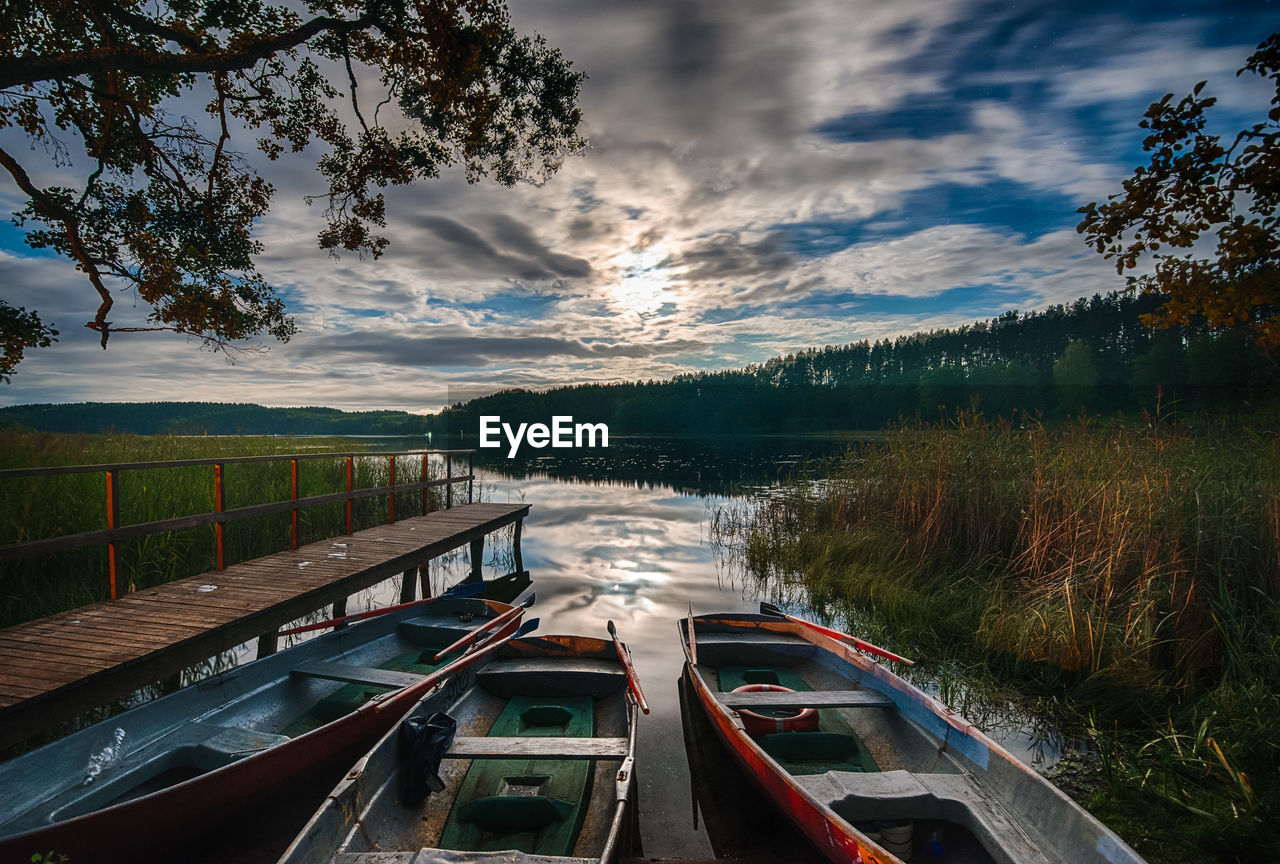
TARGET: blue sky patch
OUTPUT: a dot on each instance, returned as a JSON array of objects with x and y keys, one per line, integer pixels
[
  {"x": 1005, "y": 205},
  {"x": 920, "y": 116},
  {"x": 14, "y": 241},
  {"x": 965, "y": 301},
  {"x": 511, "y": 304}
]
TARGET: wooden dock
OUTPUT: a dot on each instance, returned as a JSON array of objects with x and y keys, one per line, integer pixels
[{"x": 54, "y": 668}]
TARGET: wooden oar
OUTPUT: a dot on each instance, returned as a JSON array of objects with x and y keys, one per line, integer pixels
[
  {"x": 693, "y": 643},
  {"x": 487, "y": 646},
  {"x": 770, "y": 609},
  {"x": 624, "y": 655},
  {"x": 488, "y": 625},
  {"x": 374, "y": 613}
]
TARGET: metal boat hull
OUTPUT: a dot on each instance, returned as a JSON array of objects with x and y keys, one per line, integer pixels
[{"x": 225, "y": 730}]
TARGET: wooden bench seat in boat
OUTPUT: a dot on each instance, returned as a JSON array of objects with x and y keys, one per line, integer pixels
[
  {"x": 521, "y": 747},
  {"x": 806, "y": 699},
  {"x": 763, "y": 638},
  {"x": 903, "y": 795},
  {"x": 552, "y": 676},
  {"x": 366, "y": 675},
  {"x": 746, "y": 646}
]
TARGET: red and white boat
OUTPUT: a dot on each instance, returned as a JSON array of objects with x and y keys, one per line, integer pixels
[{"x": 871, "y": 769}]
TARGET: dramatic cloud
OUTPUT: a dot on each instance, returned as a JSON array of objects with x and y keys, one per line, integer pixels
[{"x": 764, "y": 176}]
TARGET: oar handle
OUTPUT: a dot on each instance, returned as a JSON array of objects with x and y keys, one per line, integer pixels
[
  {"x": 475, "y": 634},
  {"x": 486, "y": 647},
  {"x": 770, "y": 609},
  {"x": 633, "y": 680}
]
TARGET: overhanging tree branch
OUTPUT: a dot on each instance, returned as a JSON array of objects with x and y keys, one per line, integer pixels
[
  {"x": 50, "y": 208},
  {"x": 168, "y": 212},
  {"x": 1192, "y": 189},
  {"x": 131, "y": 60}
]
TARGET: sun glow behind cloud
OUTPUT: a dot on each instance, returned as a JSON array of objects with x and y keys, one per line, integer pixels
[{"x": 643, "y": 284}]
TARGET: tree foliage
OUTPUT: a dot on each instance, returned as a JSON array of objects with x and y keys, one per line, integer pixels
[
  {"x": 164, "y": 205},
  {"x": 1196, "y": 187},
  {"x": 1075, "y": 375},
  {"x": 20, "y": 330}
]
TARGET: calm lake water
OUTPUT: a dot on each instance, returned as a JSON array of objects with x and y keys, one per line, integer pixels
[{"x": 622, "y": 535}]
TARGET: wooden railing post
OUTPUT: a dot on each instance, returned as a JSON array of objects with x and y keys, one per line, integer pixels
[
  {"x": 113, "y": 522},
  {"x": 293, "y": 496},
  {"x": 219, "y": 505},
  {"x": 391, "y": 503},
  {"x": 448, "y": 476},
  {"x": 471, "y": 472},
  {"x": 350, "y": 472}
]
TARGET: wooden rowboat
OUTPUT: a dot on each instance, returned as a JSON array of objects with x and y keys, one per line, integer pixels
[
  {"x": 163, "y": 778},
  {"x": 540, "y": 770},
  {"x": 868, "y": 767}
]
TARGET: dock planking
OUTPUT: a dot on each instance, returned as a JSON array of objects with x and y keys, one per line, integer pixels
[{"x": 54, "y": 668}]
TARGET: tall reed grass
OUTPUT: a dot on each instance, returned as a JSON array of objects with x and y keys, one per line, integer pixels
[
  {"x": 38, "y": 507},
  {"x": 1135, "y": 570}
]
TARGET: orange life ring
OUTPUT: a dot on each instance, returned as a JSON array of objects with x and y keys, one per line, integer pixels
[{"x": 806, "y": 720}]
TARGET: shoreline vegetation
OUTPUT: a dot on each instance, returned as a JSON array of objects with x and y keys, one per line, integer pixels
[{"x": 1129, "y": 577}]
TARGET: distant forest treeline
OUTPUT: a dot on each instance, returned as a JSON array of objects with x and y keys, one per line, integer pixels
[
  {"x": 1094, "y": 353},
  {"x": 208, "y": 418}
]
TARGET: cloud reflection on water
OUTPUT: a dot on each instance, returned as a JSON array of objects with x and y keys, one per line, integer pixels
[{"x": 635, "y": 555}]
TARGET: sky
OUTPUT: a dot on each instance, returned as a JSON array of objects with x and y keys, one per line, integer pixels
[{"x": 762, "y": 177}]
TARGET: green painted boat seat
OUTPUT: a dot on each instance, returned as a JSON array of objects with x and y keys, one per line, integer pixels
[
  {"x": 522, "y": 796},
  {"x": 809, "y": 746},
  {"x": 732, "y": 677},
  {"x": 545, "y": 715},
  {"x": 802, "y": 753},
  {"x": 512, "y": 815},
  {"x": 834, "y": 747},
  {"x": 366, "y": 683}
]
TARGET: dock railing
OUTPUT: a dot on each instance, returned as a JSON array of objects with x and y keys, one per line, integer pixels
[{"x": 114, "y": 532}]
